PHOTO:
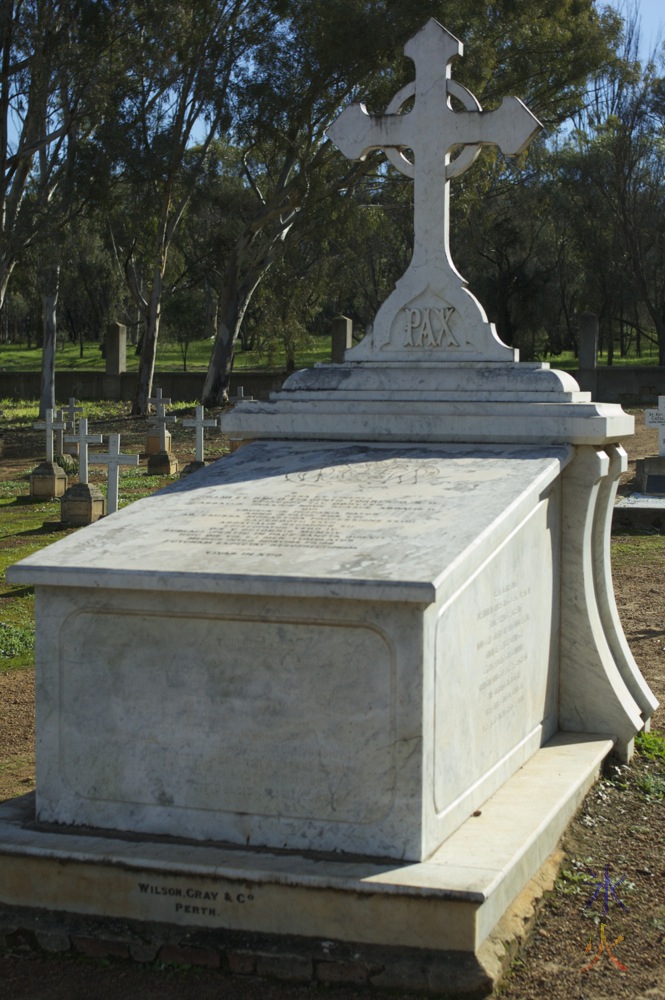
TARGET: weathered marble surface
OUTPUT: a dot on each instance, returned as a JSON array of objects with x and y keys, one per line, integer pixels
[
  {"x": 449, "y": 903},
  {"x": 303, "y": 519},
  {"x": 431, "y": 313},
  {"x": 318, "y": 626}
]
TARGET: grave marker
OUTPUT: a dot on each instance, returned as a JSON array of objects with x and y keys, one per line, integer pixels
[
  {"x": 113, "y": 459},
  {"x": 429, "y": 684},
  {"x": 48, "y": 480},
  {"x": 656, "y": 418},
  {"x": 199, "y": 422},
  {"x": 50, "y": 425},
  {"x": 155, "y": 441},
  {"x": 430, "y": 310},
  {"x": 83, "y": 503},
  {"x": 162, "y": 462},
  {"x": 651, "y": 476}
]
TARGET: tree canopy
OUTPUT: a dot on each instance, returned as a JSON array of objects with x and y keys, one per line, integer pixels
[{"x": 169, "y": 163}]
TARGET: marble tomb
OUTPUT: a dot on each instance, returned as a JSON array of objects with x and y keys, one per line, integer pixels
[{"x": 365, "y": 668}]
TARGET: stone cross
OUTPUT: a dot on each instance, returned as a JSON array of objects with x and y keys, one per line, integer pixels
[
  {"x": 83, "y": 439},
  {"x": 158, "y": 398},
  {"x": 113, "y": 459},
  {"x": 161, "y": 420},
  {"x": 50, "y": 425},
  {"x": 199, "y": 422},
  {"x": 72, "y": 410},
  {"x": 63, "y": 425},
  {"x": 430, "y": 313},
  {"x": 656, "y": 418}
]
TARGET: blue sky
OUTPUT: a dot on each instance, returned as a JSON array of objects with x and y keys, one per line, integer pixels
[{"x": 652, "y": 16}]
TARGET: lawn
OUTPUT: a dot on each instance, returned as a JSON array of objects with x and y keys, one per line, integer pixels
[{"x": 17, "y": 357}]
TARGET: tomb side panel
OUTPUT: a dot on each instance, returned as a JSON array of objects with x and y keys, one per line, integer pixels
[
  {"x": 496, "y": 667},
  {"x": 159, "y": 714}
]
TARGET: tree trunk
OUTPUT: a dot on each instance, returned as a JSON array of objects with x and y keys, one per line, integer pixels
[
  {"x": 212, "y": 304},
  {"x": 235, "y": 299},
  {"x": 49, "y": 281},
  {"x": 149, "y": 347}
]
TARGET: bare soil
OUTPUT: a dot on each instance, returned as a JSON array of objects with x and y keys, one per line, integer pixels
[{"x": 581, "y": 948}]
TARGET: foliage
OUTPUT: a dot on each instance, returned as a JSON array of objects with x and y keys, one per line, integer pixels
[
  {"x": 651, "y": 745},
  {"x": 182, "y": 178}
]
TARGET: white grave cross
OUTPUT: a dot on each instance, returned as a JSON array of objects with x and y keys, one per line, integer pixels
[
  {"x": 430, "y": 312},
  {"x": 49, "y": 425},
  {"x": 199, "y": 422},
  {"x": 72, "y": 410},
  {"x": 161, "y": 420},
  {"x": 83, "y": 439},
  {"x": 656, "y": 418},
  {"x": 158, "y": 398},
  {"x": 113, "y": 459}
]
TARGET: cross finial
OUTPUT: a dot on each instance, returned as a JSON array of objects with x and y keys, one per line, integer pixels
[{"x": 430, "y": 315}]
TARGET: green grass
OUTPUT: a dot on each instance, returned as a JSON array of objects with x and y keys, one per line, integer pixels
[
  {"x": 23, "y": 413},
  {"x": 647, "y": 551},
  {"x": 651, "y": 745},
  {"x": 17, "y": 357}
]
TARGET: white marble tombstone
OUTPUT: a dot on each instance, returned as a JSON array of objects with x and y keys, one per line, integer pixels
[{"x": 384, "y": 628}]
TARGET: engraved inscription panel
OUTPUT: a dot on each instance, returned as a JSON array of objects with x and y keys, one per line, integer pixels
[
  {"x": 493, "y": 693},
  {"x": 282, "y": 718}
]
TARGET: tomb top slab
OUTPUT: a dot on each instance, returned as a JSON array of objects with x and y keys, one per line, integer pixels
[
  {"x": 431, "y": 315},
  {"x": 368, "y": 521}
]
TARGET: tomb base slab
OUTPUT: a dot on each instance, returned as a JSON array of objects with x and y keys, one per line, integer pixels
[
  {"x": 48, "y": 481},
  {"x": 82, "y": 504},
  {"x": 437, "y": 924},
  {"x": 153, "y": 443},
  {"x": 192, "y": 467},
  {"x": 162, "y": 463}
]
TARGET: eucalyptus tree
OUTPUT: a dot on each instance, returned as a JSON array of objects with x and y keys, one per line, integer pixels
[
  {"x": 614, "y": 167},
  {"x": 52, "y": 78},
  {"x": 178, "y": 91},
  {"x": 321, "y": 55}
]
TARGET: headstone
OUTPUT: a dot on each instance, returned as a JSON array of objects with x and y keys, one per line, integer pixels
[
  {"x": 116, "y": 349},
  {"x": 82, "y": 503},
  {"x": 588, "y": 340},
  {"x": 48, "y": 480},
  {"x": 342, "y": 338},
  {"x": 651, "y": 471},
  {"x": 162, "y": 462},
  {"x": 199, "y": 422},
  {"x": 113, "y": 459},
  {"x": 384, "y": 718},
  {"x": 156, "y": 439}
]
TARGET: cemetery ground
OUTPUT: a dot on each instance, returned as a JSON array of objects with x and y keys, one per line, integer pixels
[{"x": 582, "y": 947}]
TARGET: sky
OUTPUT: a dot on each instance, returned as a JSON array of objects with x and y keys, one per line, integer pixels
[{"x": 652, "y": 16}]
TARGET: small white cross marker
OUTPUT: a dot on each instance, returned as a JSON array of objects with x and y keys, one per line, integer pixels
[
  {"x": 158, "y": 398},
  {"x": 72, "y": 410},
  {"x": 656, "y": 418},
  {"x": 199, "y": 422},
  {"x": 83, "y": 439},
  {"x": 49, "y": 425},
  {"x": 161, "y": 420},
  {"x": 113, "y": 459}
]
